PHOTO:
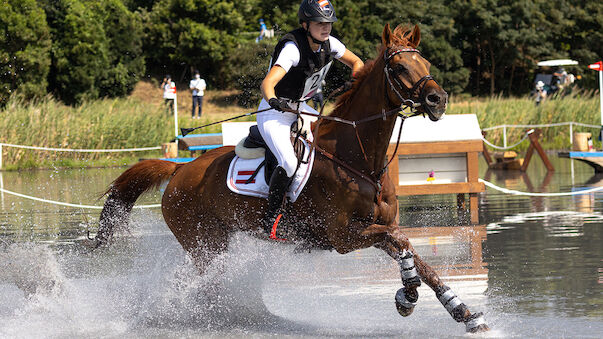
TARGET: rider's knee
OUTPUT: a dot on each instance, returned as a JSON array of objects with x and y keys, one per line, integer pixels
[{"x": 290, "y": 165}]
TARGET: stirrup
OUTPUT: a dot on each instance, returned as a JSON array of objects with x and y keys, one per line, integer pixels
[{"x": 274, "y": 227}]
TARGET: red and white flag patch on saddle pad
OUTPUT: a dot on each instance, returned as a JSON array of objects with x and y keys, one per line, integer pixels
[{"x": 241, "y": 170}]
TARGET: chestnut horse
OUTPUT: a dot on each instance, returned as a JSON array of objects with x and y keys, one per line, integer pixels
[{"x": 348, "y": 203}]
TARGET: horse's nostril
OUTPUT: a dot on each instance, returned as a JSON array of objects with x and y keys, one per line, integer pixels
[{"x": 433, "y": 99}]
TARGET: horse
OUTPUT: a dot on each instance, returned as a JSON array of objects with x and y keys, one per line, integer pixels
[{"x": 349, "y": 201}]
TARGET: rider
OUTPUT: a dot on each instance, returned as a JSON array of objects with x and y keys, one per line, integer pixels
[{"x": 299, "y": 63}]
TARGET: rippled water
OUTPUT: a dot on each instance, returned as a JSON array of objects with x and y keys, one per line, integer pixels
[{"x": 532, "y": 265}]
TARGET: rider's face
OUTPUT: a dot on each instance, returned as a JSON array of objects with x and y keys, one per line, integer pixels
[{"x": 320, "y": 30}]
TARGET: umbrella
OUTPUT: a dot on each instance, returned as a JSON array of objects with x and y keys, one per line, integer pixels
[{"x": 558, "y": 62}]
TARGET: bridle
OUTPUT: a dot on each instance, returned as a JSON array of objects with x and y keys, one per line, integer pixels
[
  {"x": 415, "y": 99},
  {"x": 416, "y": 94}
]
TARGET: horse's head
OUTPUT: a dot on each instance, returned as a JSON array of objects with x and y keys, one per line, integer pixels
[{"x": 408, "y": 72}]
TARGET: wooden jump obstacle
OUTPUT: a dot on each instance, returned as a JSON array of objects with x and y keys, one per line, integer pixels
[
  {"x": 508, "y": 161},
  {"x": 439, "y": 158}
]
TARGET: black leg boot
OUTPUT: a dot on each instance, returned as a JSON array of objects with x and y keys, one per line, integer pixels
[{"x": 279, "y": 183}]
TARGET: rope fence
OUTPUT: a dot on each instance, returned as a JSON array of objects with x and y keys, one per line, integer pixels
[
  {"x": 537, "y": 194},
  {"x": 79, "y": 150},
  {"x": 571, "y": 125},
  {"x": 66, "y": 203},
  {"x": 508, "y": 147}
]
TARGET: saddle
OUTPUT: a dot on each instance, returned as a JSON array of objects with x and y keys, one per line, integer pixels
[
  {"x": 250, "y": 170},
  {"x": 252, "y": 147}
]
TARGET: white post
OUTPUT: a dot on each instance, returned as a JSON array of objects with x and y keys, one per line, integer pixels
[
  {"x": 176, "y": 121},
  {"x": 505, "y": 136},
  {"x": 2, "y": 186},
  {"x": 176, "y": 115},
  {"x": 0, "y": 157},
  {"x": 601, "y": 96},
  {"x": 572, "y": 134}
]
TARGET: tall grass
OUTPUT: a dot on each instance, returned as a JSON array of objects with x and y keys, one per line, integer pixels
[
  {"x": 136, "y": 122},
  {"x": 579, "y": 107},
  {"x": 101, "y": 124}
]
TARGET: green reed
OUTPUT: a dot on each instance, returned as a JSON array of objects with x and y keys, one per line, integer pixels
[
  {"x": 579, "y": 107},
  {"x": 131, "y": 122}
]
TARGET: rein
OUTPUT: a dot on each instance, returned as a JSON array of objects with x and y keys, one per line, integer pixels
[{"x": 413, "y": 103}]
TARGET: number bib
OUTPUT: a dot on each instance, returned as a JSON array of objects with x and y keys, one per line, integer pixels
[{"x": 313, "y": 82}]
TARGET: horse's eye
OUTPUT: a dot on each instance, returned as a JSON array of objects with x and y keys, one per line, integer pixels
[{"x": 401, "y": 69}]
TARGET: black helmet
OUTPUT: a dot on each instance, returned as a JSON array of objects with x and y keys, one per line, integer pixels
[{"x": 316, "y": 10}]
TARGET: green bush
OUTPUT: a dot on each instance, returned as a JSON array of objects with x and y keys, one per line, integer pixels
[
  {"x": 248, "y": 68},
  {"x": 24, "y": 49}
]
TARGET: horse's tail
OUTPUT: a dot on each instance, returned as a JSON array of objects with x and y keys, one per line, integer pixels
[{"x": 124, "y": 191}]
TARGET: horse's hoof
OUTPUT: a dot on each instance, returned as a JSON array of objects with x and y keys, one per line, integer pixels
[
  {"x": 406, "y": 301},
  {"x": 476, "y": 323}
]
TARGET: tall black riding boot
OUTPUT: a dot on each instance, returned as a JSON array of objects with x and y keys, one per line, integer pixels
[{"x": 279, "y": 183}]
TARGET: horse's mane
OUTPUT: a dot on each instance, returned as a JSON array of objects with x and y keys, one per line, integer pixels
[{"x": 399, "y": 38}]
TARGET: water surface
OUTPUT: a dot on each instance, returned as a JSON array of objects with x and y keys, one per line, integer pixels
[{"x": 533, "y": 265}]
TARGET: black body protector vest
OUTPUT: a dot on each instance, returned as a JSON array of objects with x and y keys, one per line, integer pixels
[{"x": 303, "y": 80}]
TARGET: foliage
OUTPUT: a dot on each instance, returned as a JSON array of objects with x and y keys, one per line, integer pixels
[
  {"x": 496, "y": 111},
  {"x": 187, "y": 35},
  {"x": 24, "y": 49},
  {"x": 96, "y": 49},
  {"x": 249, "y": 66},
  {"x": 80, "y": 49}
]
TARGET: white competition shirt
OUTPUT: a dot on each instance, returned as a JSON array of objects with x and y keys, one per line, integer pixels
[
  {"x": 290, "y": 55},
  {"x": 169, "y": 90},
  {"x": 198, "y": 86}
]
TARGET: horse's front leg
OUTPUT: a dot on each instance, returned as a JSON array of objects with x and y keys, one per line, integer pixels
[{"x": 412, "y": 267}]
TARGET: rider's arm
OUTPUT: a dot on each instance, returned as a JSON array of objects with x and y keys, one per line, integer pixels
[
  {"x": 352, "y": 61},
  {"x": 272, "y": 78}
]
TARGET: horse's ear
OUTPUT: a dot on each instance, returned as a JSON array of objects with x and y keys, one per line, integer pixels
[
  {"x": 386, "y": 38},
  {"x": 415, "y": 37}
]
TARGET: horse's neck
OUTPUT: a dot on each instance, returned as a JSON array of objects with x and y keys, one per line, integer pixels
[{"x": 369, "y": 99}]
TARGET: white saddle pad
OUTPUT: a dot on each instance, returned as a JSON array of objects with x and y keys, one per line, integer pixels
[{"x": 241, "y": 170}]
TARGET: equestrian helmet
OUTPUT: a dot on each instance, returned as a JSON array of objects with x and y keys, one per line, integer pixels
[{"x": 316, "y": 10}]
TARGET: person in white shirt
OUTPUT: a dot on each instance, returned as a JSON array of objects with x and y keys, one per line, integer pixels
[
  {"x": 300, "y": 62},
  {"x": 169, "y": 93},
  {"x": 197, "y": 85}
]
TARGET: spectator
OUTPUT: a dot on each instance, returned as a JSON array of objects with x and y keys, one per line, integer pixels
[
  {"x": 169, "y": 93},
  {"x": 198, "y": 86},
  {"x": 262, "y": 31},
  {"x": 561, "y": 78},
  {"x": 540, "y": 92}
]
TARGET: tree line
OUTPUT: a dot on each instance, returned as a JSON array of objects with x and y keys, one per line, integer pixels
[{"x": 86, "y": 49}]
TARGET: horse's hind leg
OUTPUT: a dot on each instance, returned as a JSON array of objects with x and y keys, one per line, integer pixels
[{"x": 399, "y": 248}]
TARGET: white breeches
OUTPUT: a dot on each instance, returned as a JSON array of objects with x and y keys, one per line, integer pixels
[{"x": 275, "y": 128}]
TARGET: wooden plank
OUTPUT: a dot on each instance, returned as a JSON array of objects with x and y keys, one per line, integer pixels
[
  {"x": 473, "y": 208},
  {"x": 437, "y": 147},
  {"x": 472, "y": 167},
  {"x": 461, "y": 187},
  {"x": 594, "y": 159}
]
